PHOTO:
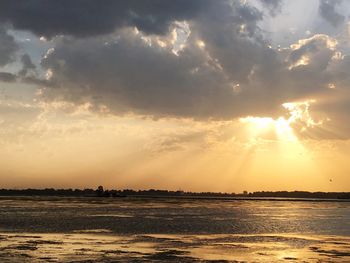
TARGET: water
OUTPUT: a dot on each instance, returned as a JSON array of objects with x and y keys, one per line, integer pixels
[{"x": 142, "y": 230}]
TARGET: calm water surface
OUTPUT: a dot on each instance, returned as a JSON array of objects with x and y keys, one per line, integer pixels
[{"x": 143, "y": 230}]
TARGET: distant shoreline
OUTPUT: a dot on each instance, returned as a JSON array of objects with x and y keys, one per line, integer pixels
[
  {"x": 205, "y": 198},
  {"x": 156, "y": 194},
  {"x": 277, "y": 199}
]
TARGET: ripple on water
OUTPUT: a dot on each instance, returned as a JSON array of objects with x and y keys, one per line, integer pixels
[{"x": 176, "y": 248}]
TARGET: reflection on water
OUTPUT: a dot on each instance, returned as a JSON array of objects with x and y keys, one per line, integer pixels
[
  {"x": 177, "y": 248},
  {"x": 109, "y": 230}
]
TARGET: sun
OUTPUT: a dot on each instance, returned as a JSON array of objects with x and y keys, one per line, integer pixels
[
  {"x": 282, "y": 126},
  {"x": 262, "y": 125}
]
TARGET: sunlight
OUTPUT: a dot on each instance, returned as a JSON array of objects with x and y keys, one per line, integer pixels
[
  {"x": 259, "y": 122},
  {"x": 282, "y": 126},
  {"x": 280, "y": 135},
  {"x": 260, "y": 125},
  {"x": 283, "y": 129}
]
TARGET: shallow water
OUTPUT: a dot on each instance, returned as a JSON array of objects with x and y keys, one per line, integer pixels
[{"x": 143, "y": 230}]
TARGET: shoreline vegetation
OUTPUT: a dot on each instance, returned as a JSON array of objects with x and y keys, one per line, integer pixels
[{"x": 153, "y": 193}]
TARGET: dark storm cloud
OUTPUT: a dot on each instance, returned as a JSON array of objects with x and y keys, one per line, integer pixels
[
  {"x": 328, "y": 12},
  {"x": 130, "y": 75},
  {"x": 127, "y": 74},
  {"x": 215, "y": 65},
  {"x": 90, "y": 17},
  {"x": 225, "y": 70}
]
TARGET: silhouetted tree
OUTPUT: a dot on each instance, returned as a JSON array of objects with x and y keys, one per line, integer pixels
[{"x": 100, "y": 191}]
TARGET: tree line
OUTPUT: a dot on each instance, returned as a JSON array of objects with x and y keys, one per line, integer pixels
[{"x": 101, "y": 192}]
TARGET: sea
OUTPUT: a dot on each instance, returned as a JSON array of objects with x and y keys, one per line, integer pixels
[{"x": 142, "y": 229}]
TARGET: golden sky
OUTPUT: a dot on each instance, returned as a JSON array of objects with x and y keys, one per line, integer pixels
[{"x": 240, "y": 95}]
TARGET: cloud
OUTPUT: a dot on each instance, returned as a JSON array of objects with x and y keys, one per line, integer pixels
[
  {"x": 27, "y": 74},
  {"x": 8, "y": 47},
  {"x": 274, "y": 6},
  {"x": 328, "y": 12},
  {"x": 183, "y": 59},
  {"x": 129, "y": 71},
  {"x": 128, "y": 74},
  {"x": 223, "y": 69},
  {"x": 83, "y": 18},
  {"x": 318, "y": 65},
  {"x": 7, "y": 77},
  {"x": 313, "y": 54},
  {"x": 27, "y": 65}
]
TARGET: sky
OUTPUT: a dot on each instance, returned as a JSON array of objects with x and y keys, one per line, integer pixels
[{"x": 200, "y": 95}]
